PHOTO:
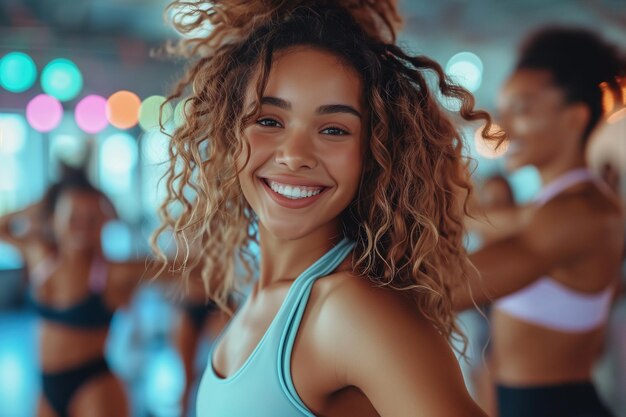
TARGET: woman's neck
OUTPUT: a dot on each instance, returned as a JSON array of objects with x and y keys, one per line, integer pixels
[
  {"x": 554, "y": 170},
  {"x": 285, "y": 260}
]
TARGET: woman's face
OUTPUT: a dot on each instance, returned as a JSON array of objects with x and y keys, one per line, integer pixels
[
  {"x": 533, "y": 112},
  {"x": 78, "y": 220},
  {"x": 306, "y": 145}
]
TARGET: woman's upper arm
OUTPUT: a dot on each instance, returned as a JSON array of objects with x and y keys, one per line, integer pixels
[
  {"x": 7, "y": 235},
  {"x": 556, "y": 235},
  {"x": 395, "y": 356},
  {"x": 30, "y": 239}
]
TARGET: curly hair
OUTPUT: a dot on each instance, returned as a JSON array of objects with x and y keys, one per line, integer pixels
[{"x": 406, "y": 218}]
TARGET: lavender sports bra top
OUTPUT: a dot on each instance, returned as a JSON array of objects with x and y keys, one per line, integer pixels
[{"x": 549, "y": 303}]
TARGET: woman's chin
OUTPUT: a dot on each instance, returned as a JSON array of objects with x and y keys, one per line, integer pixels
[{"x": 285, "y": 230}]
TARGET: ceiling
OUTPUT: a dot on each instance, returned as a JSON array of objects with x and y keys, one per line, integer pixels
[{"x": 109, "y": 31}]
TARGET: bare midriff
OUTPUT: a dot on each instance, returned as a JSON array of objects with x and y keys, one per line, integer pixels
[
  {"x": 62, "y": 347},
  {"x": 527, "y": 354}
]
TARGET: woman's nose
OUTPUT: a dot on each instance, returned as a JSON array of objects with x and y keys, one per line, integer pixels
[{"x": 296, "y": 151}]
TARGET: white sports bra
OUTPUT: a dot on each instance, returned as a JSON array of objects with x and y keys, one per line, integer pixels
[{"x": 549, "y": 303}]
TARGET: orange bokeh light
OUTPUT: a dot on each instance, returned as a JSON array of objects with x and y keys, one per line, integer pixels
[
  {"x": 122, "y": 109},
  {"x": 608, "y": 99},
  {"x": 489, "y": 148}
]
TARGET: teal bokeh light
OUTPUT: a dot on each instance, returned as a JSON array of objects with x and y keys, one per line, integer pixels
[
  {"x": 466, "y": 69},
  {"x": 18, "y": 72},
  {"x": 61, "y": 79}
]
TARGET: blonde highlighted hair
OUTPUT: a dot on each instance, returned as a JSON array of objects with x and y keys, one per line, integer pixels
[{"x": 407, "y": 217}]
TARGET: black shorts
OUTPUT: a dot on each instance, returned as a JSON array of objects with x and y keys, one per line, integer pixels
[
  {"x": 59, "y": 387},
  {"x": 563, "y": 400}
]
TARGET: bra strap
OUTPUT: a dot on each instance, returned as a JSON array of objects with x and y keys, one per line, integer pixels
[{"x": 562, "y": 183}]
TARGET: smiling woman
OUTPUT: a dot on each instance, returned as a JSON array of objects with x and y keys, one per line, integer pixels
[
  {"x": 305, "y": 122},
  {"x": 554, "y": 269},
  {"x": 306, "y": 146}
]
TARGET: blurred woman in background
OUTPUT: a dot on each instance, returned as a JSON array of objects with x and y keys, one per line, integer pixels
[
  {"x": 553, "y": 272},
  {"x": 75, "y": 291}
]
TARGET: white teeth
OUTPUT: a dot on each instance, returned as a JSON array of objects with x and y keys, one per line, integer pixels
[{"x": 294, "y": 192}]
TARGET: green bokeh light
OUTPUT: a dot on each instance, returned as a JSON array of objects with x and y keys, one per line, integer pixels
[
  {"x": 149, "y": 112},
  {"x": 179, "y": 112},
  {"x": 61, "y": 79},
  {"x": 18, "y": 72}
]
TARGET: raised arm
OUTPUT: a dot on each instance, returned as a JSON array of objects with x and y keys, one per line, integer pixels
[
  {"x": 127, "y": 276},
  {"x": 32, "y": 233},
  {"x": 557, "y": 234},
  {"x": 498, "y": 222}
]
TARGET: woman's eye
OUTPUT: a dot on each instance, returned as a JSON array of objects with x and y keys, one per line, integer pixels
[
  {"x": 268, "y": 122},
  {"x": 334, "y": 131}
]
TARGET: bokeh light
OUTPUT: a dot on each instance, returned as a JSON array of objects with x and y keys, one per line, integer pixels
[
  {"x": 154, "y": 148},
  {"x": 10, "y": 257},
  {"x": 117, "y": 241},
  {"x": 18, "y": 372},
  {"x": 466, "y": 69},
  {"x": 13, "y": 131},
  {"x": 179, "y": 112},
  {"x": 117, "y": 161},
  {"x": 18, "y": 72},
  {"x": 165, "y": 382},
  {"x": 149, "y": 112},
  {"x": 122, "y": 109},
  {"x": 10, "y": 173},
  {"x": 68, "y": 148},
  {"x": 525, "y": 183},
  {"x": 119, "y": 153},
  {"x": 90, "y": 114},
  {"x": 44, "y": 113},
  {"x": 62, "y": 79},
  {"x": 608, "y": 98},
  {"x": 154, "y": 154},
  {"x": 450, "y": 103},
  {"x": 489, "y": 148},
  {"x": 189, "y": 13}
]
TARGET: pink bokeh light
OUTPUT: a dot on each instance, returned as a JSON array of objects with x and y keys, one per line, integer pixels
[
  {"x": 90, "y": 114},
  {"x": 44, "y": 113}
]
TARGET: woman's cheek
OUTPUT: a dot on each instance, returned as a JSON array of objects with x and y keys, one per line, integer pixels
[{"x": 528, "y": 125}]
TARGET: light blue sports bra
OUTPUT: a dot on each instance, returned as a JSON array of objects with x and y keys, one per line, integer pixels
[{"x": 263, "y": 387}]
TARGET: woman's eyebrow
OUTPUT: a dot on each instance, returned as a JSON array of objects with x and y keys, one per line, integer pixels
[
  {"x": 326, "y": 109},
  {"x": 338, "y": 108},
  {"x": 275, "y": 101}
]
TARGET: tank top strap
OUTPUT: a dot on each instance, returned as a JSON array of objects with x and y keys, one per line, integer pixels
[
  {"x": 297, "y": 303},
  {"x": 563, "y": 182}
]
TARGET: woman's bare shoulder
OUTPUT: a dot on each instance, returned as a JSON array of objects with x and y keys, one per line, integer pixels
[
  {"x": 375, "y": 338},
  {"x": 345, "y": 298}
]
